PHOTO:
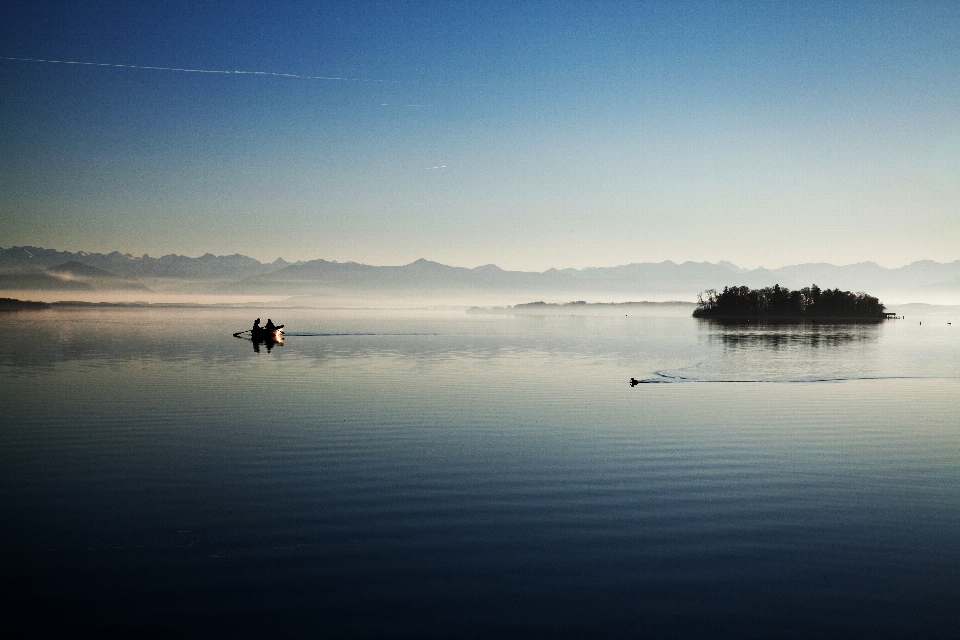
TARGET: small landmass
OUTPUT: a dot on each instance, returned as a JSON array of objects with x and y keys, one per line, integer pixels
[
  {"x": 743, "y": 303},
  {"x": 582, "y": 307},
  {"x": 12, "y": 304}
]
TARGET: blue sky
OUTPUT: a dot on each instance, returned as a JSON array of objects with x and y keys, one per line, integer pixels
[{"x": 530, "y": 135}]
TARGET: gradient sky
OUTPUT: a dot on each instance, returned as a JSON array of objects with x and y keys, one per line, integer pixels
[{"x": 530, "y": 135}]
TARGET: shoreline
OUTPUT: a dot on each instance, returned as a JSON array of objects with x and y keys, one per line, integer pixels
[{"x": 13, "y": 304}]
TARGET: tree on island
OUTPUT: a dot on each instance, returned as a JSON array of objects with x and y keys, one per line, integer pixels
[{"x": 780, "y": 302}]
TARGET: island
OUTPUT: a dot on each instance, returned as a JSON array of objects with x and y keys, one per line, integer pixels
[
  {"x": 12, "y": 304},
  {"x": 780, "y": 303}
]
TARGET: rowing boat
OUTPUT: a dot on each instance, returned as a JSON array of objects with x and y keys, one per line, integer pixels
[{"x": 259, "y": 333}]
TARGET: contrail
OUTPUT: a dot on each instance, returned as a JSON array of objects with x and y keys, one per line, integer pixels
[{"x": 219, "y": 71}]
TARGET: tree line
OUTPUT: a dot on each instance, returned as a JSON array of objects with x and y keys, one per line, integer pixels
[{"x": 780, "y": 302}]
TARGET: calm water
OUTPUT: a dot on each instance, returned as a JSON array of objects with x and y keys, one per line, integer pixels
[{"x": 442, "y": 474}]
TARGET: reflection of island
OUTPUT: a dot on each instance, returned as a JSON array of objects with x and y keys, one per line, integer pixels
[
  {"x": 747, "y": 336},
  {"x": 777, "y": 303}
]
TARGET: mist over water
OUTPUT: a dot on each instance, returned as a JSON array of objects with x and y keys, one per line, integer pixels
[{"x": 415, "y": 473}]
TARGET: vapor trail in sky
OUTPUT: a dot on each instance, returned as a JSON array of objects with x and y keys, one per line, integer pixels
[{"x": 218, "y": 71}]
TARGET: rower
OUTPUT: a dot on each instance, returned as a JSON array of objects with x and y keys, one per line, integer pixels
[{"x": 256, "y": 325}]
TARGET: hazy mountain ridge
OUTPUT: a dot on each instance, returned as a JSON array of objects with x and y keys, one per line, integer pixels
[
  {"x": 69, "y": 276},
  {"x": 666, "y": 277},
  {"x": 432, "y": 276},
  {"x": 207, "y": 266},
  {"x": 239, "y": 274}
]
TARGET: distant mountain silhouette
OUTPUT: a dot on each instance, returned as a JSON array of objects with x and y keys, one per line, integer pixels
[
  {"x": 69, "y": 276},
  {"x": 948, "y": 287},
  {"x": 427, "y": 276},
  {"x": 74, "y": 268},
  {"x": 639, "y": 279},
  {"x": 33, "y": 267},
  {"x": 37, "y": 268},
  {"x": 207, "y": 266},
  {"x": 37, "y": 279}
]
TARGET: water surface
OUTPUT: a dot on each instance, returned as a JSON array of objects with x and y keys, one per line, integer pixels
[{"x": 442, "y": 474}]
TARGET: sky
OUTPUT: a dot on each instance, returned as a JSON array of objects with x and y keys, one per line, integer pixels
[{"x": 527, "y": 135}]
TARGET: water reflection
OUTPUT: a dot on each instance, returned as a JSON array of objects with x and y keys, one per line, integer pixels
[
  {"x": 649, "y": 348},
  {"x": 776, "y": 336},
  {"x": 268, "y": 341},
  {"x": 263, "y": 340},
  {"x": 53, "y": 337},
  {"x": 788, "y": 352}
]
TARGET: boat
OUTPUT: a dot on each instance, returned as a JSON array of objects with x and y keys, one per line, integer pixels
[
  {"x": 262, "y": 334},
  {"x": 259, "y": 333}
]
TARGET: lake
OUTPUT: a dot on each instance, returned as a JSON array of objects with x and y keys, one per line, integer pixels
[{"x": 435, "y": 474}]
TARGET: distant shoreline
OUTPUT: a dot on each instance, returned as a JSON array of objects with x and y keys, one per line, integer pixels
[
  {"x": 594, "y": 308},
  {"x": 13, "y": 304},
  {"x": 543, "y": 308}
]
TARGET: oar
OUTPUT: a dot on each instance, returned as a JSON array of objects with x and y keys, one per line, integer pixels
[{"x": 239, "y": 333}]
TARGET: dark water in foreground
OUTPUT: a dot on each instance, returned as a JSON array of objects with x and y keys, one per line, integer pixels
[{"x": 439, "y": 474}]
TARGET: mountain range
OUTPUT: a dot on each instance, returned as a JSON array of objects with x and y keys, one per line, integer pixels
[{"x": 24, "y": 268}]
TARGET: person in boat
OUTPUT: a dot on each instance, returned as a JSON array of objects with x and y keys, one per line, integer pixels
[
  {"x": 256, "y": 325},
  {"x": 270, "y": 326}
]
